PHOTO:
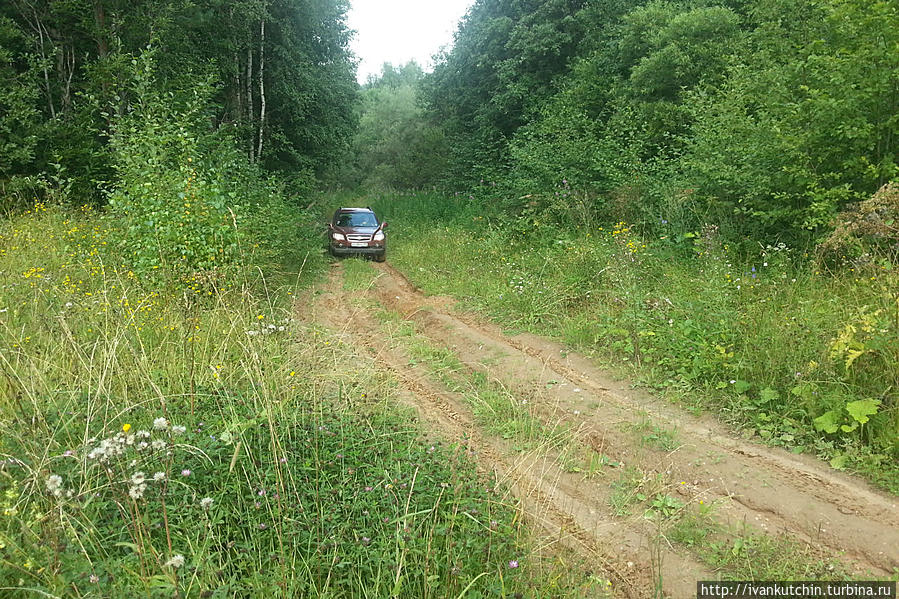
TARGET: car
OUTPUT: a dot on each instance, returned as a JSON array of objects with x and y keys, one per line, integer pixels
[{"x": 357, "y": 231}]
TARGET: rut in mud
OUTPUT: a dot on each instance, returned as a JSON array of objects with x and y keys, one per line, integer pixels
[{"x": 752, "y": 486}]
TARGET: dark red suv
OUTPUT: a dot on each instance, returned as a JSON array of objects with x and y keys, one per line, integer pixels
[{"x": 357, "y": 231}]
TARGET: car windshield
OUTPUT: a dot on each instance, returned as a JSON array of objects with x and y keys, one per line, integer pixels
[{"x": 356, "y": 219}]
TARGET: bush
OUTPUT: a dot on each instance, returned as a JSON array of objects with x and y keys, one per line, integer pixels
[
  {"x": 189, "y": 209},
  {"x": 866, "y": 234}
]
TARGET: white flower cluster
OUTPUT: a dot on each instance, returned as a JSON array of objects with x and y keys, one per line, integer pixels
[
  {"x": 270, "y": 328},
  {"x": 138, "y": 485},
  {"x": 116, "y": 446},
  {"x": 176, "y": 561},
  {"x": 54, "y": 485},
  {"x": 206, "y": 503}
]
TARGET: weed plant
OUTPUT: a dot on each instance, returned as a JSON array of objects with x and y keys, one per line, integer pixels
[
  {"x": 202, "y": 442},
  {"x": 804, "y": 359}
]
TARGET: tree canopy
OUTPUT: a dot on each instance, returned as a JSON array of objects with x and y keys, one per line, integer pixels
[
  {"x": 768, "y": 116},
  {"x": 283, "y": 74}
]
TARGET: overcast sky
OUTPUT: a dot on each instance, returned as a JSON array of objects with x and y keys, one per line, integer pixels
[{"x": 397, "y": 31}]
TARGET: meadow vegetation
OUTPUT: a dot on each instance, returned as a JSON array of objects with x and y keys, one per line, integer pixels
[
  {"x": 198, "y": 439},
  {"x": 699, "y": 195},
  {"x": 171, "y": 426},
  {"x": 797, "y": 355}
]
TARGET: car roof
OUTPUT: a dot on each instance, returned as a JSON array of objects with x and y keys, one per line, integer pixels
[{"x": 355, "y": 210}]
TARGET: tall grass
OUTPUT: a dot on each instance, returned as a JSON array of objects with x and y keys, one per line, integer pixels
[
  {"x": 206, "y": 443},
  {"x": 805, "y": 360}
]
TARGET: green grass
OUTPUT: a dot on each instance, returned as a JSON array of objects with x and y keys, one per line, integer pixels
[
  {"x": 765, "y": 340},
  {"x": 653, "y": 436},
  {"x": 746, "y": 553},
  {"x": 295, "y": 474}
]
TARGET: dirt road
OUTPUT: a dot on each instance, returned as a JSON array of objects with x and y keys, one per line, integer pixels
[{"x": 668, "y": 459}]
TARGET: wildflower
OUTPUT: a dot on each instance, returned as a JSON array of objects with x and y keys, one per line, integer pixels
[
  {"x": 138, "y": 478},
  {"x": 54, "y": 484},
  {"x": 206, "y": 503},
  {"x": 176, "y": 561},
  {"x": 185, "y": 472},
  {"x": 513, "y": 563},
  {"x": 94, "y": 579},
  {"x": 159, "y": 476},
  {"x": 179, "y": 430},
  {"x": 262, "y": 526},
  {"x": 126, "y": 427},
  {"x": 137, "y": 491},
  {"x": 160, "y": 424}
]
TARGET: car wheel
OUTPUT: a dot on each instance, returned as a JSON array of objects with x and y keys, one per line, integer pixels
[{"x": 381, "y": 257}]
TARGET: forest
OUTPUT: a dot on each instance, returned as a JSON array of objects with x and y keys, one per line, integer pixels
[
  {"x": 642, "y": 265},
  {"x": 767, "y": 118}
]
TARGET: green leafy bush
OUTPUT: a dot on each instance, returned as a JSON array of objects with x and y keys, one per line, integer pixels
[{"x": 188, "y": 208}]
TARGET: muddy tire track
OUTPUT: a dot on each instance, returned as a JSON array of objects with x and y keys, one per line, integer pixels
[
  {"x": 554, "y": 501},
  {"x": 771, "y": 490}
]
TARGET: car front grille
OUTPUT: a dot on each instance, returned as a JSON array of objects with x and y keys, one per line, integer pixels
[{"x": 358, "y": 237}]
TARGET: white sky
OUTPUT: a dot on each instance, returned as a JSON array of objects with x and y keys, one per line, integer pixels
[{"x": 397, "y": 31}]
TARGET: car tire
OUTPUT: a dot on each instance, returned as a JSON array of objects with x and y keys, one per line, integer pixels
[{"x": 381, "y": 257}]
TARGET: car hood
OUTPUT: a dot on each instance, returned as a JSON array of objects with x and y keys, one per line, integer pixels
[{"x": 356, "y": 230}]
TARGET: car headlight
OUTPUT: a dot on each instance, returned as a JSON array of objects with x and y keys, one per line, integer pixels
[
  {"x": 338, "y": 237},
  {"x": 379, "y": 236}
]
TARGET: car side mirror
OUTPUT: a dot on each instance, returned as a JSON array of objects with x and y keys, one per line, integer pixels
[{"x": 383, "y": 225}]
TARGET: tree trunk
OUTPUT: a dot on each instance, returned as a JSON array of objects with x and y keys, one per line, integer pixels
[
  {"x": 261, "y": 87},
  {"x": 66, "y": 67},
  {"x": 250, "y": 110},
  {"x": 100, "y": 22},
  {"x": 40, "y": 33}
]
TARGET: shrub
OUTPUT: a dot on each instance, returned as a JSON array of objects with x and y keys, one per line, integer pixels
[{"x": 867, "y": 233}]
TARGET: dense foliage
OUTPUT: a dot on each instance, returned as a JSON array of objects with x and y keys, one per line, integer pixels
[
  {"x": 281, "y": 70},
  {"x": 764, "y": 117},
  {"x": 395, "y": 146}
]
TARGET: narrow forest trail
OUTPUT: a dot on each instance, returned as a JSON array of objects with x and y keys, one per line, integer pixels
[{"x": 661, "y": 450}]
